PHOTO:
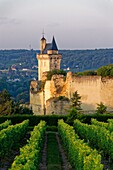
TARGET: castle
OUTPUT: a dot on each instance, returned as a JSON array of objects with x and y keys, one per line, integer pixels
[
  {"x": 48, "y": 59},
  {"x": 45, "y": 94}
]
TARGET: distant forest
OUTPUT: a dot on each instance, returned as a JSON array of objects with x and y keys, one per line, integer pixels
[
  {"x": 19, "y": 67},
  {"x": 76, "y": 60},
  {"x": 81, "y": 60}
]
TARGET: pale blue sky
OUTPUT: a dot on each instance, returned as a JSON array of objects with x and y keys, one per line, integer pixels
[{"x": 76, "y": 24}]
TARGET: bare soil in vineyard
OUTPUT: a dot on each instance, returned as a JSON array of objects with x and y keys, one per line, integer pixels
[{"x": 5, "y": 163}]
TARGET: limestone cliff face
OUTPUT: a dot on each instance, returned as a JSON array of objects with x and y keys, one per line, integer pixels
[{"x": 92, "y": 89}]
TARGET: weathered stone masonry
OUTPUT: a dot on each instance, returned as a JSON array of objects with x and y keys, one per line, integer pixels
[
  {"x": 44, "y": 93},
  {"x": 92, "y": 89}
]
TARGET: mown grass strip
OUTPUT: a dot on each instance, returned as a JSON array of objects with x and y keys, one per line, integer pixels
[{"x": 53, "y": 155}]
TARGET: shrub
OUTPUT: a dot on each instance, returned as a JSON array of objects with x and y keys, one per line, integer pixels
[
  {"x": 105, "y": 71},
  {"x": 73, "y": 114},
  {"x": 101, "y": 108},
  {"x": 34, "y": 120},
  {"x": 53, "y": 72},
  {"x": 87, "y": 73}
]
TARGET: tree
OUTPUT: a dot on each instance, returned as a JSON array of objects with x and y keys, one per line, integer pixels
[
  {"x": 75, "y": 101},
  {"x": 73, "y": 114},
  {"x": 6, "y": 103},
  {"x": 9, "y": 107},
  {"x": 105, "y": 71},
  {"x": 101, "y": 108},
  {"x": 4, "y": 96}
]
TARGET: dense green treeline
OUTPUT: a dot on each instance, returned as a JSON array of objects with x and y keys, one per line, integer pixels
[
  {"x": 17, "y": 69},
  {"x": 76, "y": 60},
  {"x": 80, "y": 60}
]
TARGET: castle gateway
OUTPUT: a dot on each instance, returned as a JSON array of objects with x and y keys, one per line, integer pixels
[{"x": 44, "y": 93}]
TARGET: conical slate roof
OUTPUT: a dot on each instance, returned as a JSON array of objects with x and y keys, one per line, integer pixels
[
  {"x": 50, "y": 46},
  {"x": 53, "y": 45}
]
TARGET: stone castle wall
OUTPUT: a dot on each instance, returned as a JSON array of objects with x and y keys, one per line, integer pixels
[
  {"x": 92, "y": 89},
  {"x": 89, "y": 88},
  {"x": 55, "y": 106},
  {"x": 36, "y": 98},
  {"x": 106, "y": 92}
]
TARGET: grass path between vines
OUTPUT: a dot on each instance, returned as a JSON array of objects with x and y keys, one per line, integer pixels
[
  {"x": 54, "y": 157},
  {"x": 54, "y": 160}
]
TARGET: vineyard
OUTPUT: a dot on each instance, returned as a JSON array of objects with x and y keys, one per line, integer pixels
[{"x": 79, "y": 147}]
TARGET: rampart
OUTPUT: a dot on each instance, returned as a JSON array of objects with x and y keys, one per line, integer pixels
[{"x": 92, "y": 89}]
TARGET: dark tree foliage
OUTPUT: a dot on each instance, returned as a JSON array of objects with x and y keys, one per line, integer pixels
[
  {"x": 87, "y": 73},
  {"x": 9, "y": 107},
  {"x": 73, "y": 114},
  {"x": 101, "y": 108},
  {"x": 4, "y": 97},
  {"x": 75, "y": 101},
  {"x": 105, "y": 71}
]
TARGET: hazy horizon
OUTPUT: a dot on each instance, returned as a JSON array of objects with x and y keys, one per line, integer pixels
[{"x": 76, "y": 24}]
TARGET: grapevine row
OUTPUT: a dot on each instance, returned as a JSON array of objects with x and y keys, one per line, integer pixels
[
  {"x": 108, "y": 125},
  {"x": 11, "y": 136},
  {"x": 99, "y": 137},
  {"x": 30, "y": 154},
  {"x": 5, "y": 124},
  {"x": 81, "y": 156}
]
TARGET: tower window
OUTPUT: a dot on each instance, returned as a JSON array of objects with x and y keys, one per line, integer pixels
[{"x": 55, "y": 65}]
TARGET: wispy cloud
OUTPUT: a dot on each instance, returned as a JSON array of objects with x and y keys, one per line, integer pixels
[{"x": 6, "y": 20}]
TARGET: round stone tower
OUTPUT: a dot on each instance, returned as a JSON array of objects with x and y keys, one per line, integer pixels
[{"x": 42, "y": 44}]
